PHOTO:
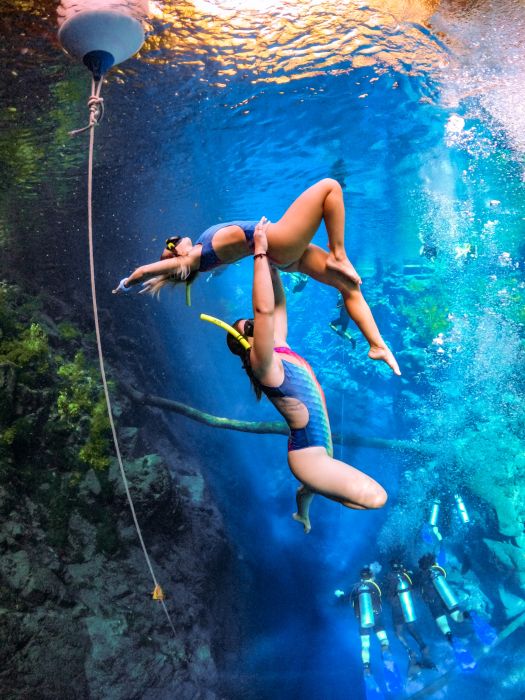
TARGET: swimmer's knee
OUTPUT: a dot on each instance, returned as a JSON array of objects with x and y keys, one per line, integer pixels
[
  {"x": 374, "y": 499},
  {"x": 348, "y": 289},
  {"x": 331, "y": 185}
]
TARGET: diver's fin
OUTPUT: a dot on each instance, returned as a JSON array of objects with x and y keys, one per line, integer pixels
[
  {"x": 426, "y": 534},
  {"x": 485, "y": 632},
  {"x": 464, "y": 658},
  {"x": 414, "y": 669},
  {"x": 393, "y": 681},
  {"x": 426, "y": 662},
  {"x": 372, "y": 689},
  {"x": 344, "y": 334}
]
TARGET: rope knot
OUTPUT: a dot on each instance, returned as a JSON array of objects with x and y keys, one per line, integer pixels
[{"x": 96, "y": 108}]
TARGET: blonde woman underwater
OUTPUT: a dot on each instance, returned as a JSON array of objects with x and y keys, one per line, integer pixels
[
  {"x": 290, "y": 384},
  {"x": 289, "y": 249}
]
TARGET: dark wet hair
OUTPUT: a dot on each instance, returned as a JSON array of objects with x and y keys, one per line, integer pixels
[
  {"x": 191, "y": 277},
  {"x": 366, "y": 572},
  {"x": 426, "y": 561},
  {"x": 237, "y": 349}
]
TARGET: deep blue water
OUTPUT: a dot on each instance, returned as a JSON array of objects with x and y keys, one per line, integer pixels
[{"x": 176, "y": 154}]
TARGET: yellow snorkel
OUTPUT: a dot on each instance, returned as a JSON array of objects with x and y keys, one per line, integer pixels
[
  {"x": 229, "y": 329},
  {"x": 171, "y": 245}
]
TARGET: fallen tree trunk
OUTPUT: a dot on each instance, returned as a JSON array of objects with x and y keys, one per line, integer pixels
[{"x": 266, "y": 427}]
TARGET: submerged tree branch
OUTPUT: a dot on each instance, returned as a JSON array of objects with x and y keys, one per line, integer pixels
[
  {"x": 266, "y": 427},
  {"x": 277, "y": 427}
]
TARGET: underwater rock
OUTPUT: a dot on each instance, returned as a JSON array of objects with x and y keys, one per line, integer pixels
[
  {"x": 509, "y": 524},
  {"x": 510, "y": 556},
  {"x": 193, "y": 485},
  {"x": 467, "y": 588},
  {"x": 128, "y": 439},
  {"x": 513, "y": 604},
  {"x": 89, "y": 486},
  {"x": 77, "y": 618},
  {"x": 149, "y": 481},
  {"x": 82, "y": 538},
  {"x": 413, "y": 360},
  {"x": 31, "y": 582},
  {"x": 7, "y": 385},
  {"x": 49, "y": 648},
  {"x": 504, "y": 492}
]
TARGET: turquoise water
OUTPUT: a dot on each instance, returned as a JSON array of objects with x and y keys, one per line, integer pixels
[{"x": 416, "y": 111}]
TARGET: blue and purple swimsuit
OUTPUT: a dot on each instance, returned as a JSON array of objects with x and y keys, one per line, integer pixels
[
  {"x": 209, "y": 259},
  {"x": 300, "y": 383}
]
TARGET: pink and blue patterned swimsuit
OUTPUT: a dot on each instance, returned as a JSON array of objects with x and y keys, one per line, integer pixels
[{"x": 300, "y": 383}]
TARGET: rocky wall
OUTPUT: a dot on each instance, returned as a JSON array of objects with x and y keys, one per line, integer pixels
[{"x": 77, "y": 615}]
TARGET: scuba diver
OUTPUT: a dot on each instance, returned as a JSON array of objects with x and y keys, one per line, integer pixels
[
  {"x": 442, "y": 603},
  {"x": 366, "y": 602},
  {"x": 340, "y": 324},
  {"x": 398, "y": 589},
  {"x": 289, "y": 249},
  {"x": 429, "y": 251},
  {"x": 299, "y": 282},
  {"x": 290, "y": 384},
  {"x": 431, "y": 533}
]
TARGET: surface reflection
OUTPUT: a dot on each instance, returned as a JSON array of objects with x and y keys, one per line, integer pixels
[{"x": 279, "y": 42}]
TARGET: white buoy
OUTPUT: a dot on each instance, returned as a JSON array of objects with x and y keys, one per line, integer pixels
[{"x": 101, "y": 33}]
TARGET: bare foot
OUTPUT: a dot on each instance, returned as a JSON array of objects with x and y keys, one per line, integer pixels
[
  {"x": 381, "y": 352},
  {"x": 305, "y": 522},
  {"x": 344, "y": 267}
]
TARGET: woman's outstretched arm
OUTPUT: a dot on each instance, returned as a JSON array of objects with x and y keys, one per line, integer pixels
[{"x": 179, "y": 266}]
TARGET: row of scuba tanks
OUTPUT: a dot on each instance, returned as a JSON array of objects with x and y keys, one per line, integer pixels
[
  {"x": 405, "y": 597},
  {"x": 436, "y": 507}
]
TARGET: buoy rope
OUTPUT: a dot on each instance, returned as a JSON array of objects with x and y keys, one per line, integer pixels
[
  {"x": 341, "y": 447},
  {"x": 342, "y": 401},
  {"x": 96, "y": 108},
  {"x": 94, "y": 102}
]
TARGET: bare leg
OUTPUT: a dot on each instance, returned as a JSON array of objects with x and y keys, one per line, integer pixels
[
  {"x": 443, "y": 625},
  {"x": 314, "y": 263},
  {"x": 289, "y": 237},
  {"x": 323, "y": 474},
  {"x": 303, "y": 498},
  {"x": 360, "y": 313}
]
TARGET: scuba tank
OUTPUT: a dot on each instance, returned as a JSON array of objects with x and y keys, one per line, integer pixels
[
  {"x": 366, "y": 606},
  {"x": 434, "y": 513},
  {"x": 463, "y": 514},
  {"x": 440, "y": 584},
  {"x": 404, "y": 594},
  {"x": 433, "y": 519}
]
